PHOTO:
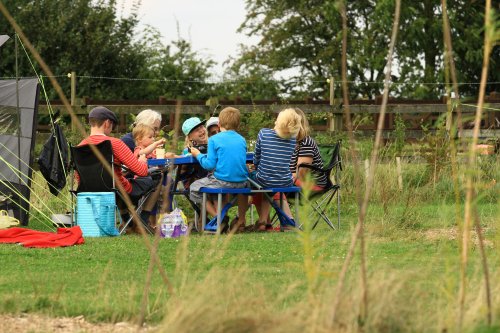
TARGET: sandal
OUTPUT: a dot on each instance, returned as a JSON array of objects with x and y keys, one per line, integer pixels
[
  {"x": 249, "y": 228},
  {"x": 235, "y": 227},
  {"x": 263, "y": 227}
]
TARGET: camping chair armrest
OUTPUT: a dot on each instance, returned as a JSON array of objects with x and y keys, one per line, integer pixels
[
  {"x": 337, "y": 163},
  {"x": 310, "y": 166}
]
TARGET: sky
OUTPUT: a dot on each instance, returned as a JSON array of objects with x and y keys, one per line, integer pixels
[{"x": 209, "y": 25}]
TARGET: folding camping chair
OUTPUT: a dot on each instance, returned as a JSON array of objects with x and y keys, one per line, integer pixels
[
  {"x": 320, "y": 200},
  {"x": 94, "y": 177}
]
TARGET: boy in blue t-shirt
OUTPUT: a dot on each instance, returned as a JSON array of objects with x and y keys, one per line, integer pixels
[{"x": 226, "y": 155}]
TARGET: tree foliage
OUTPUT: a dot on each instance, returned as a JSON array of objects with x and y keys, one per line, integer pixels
[
  {"x": 247, "y": 79},
  {"x": 88, "y": 37},
  {"x": 302, "y": 37},
  {"x": 306, "y": 35},
  {"x": 77, "y": 35},
  {"x": 176, "y": 70}
]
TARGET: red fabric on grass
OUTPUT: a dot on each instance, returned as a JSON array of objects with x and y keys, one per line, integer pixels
[{"x": 42, "y": 239}]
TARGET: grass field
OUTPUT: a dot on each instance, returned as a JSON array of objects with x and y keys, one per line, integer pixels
[
  {"x": 265, "y": 281},
  {"x": 281, "y": 282}
]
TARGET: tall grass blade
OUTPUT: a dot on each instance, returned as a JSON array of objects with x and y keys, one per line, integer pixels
[{"x": 490, "y": 38}]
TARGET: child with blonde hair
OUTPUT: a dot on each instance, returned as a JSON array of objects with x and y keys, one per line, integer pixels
[
  {"x": 273, "y": 152},
  {"x": 144, "y": 137},
  {"x": 307, "y": 152}
]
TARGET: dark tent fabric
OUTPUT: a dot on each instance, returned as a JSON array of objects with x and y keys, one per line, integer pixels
[
  {"x": 53, "y": 160},
  {"x": 18, "y": 114}
]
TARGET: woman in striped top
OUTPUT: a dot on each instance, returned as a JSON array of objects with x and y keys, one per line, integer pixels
[
  {"x": 306, "y": 152},
  {"x": 273, "y": 152}
]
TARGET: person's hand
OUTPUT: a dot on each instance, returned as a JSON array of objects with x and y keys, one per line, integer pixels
[
  {"x": 169, "y": 155},
  {"x": 143, "y": 158},
  {"x": 160, "y": 142},
  {"x": 194, "y": 151}
]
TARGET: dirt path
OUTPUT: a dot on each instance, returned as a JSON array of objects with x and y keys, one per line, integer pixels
[{"x": 35, "y": 323}]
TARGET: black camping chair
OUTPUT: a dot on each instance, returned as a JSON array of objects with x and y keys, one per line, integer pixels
[
  {"x": 320, "y": 200},
  {"x": 94, "y": 177}
]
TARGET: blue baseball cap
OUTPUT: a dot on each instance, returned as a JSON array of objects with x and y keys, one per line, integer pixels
[{"x": 190, "y": 124}]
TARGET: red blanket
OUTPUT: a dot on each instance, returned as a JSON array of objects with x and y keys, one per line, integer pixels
[{"x": 33, "y": 238}]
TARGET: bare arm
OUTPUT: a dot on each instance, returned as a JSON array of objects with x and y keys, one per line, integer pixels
[
  {"x": 149, "y": 149},
  {"x": 302, "y": 171}
]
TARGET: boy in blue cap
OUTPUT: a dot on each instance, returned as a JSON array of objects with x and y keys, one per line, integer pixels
[{"x": 227, "y": 157}]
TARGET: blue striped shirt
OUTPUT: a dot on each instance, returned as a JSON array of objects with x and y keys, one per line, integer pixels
[{"x": 272, "y": 159}]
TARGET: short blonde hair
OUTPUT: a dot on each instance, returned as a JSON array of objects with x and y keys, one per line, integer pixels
[
  {"x": 229, "y": 118},
  {"x": 147, "y": 117},
  {"x": 304, "y": 125},
  {"x": 287, "y": 124},
  {"x": 141, "y": 130}
]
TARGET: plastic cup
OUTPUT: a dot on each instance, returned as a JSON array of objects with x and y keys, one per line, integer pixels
[{"x": 160, "y": 153}]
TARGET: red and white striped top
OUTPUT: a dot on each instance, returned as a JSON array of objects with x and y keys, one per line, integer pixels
[{"x": 122, "y": 156}]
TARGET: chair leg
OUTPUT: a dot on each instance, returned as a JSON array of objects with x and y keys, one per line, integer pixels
[
  {"x": 317, "y": 206},
  {"x": 125, "y": 225},
  {"x": 338, "y": 209},
  {"x": 203, "y": 212},
  {"x": 251, "y": 214},
  {"x": 297, "y": 204},
  {"x": 219, "y": 213}
]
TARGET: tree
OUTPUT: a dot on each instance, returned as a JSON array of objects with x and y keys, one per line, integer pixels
[
  {"x": 245, "y": 78},
  {"x": 306, "y": 35},
  {"x": 295, "y": 35},
  {"x": 111, "y": 58},
  {"x": 420, "y": 49},
  {"x": 85, "y": 36},
  {"x": 179, "y": 70}
]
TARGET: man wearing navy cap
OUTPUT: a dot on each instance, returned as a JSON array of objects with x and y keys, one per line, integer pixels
[{"x": 102, "y": 122}]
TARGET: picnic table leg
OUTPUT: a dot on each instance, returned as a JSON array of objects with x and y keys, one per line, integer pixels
[
  {"x": 251, "y": 213},
  {"x": 219, "y": 212},
  {"x": 297, "y": 209},
  {"x": 203, "y": 212}
]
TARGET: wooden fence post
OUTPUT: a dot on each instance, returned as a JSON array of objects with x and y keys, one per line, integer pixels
[
  {"x": 72, "y": 77},
  {"x": 400, "y": 175},
  {"x": 73, "y": 88},
  {"x": 331, "y": 116}
]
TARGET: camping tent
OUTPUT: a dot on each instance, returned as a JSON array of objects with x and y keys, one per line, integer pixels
[{"x": 18, "y": 114}]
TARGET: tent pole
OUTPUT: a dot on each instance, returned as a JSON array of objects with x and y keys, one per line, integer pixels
[{"x": 18, "y": 112}]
